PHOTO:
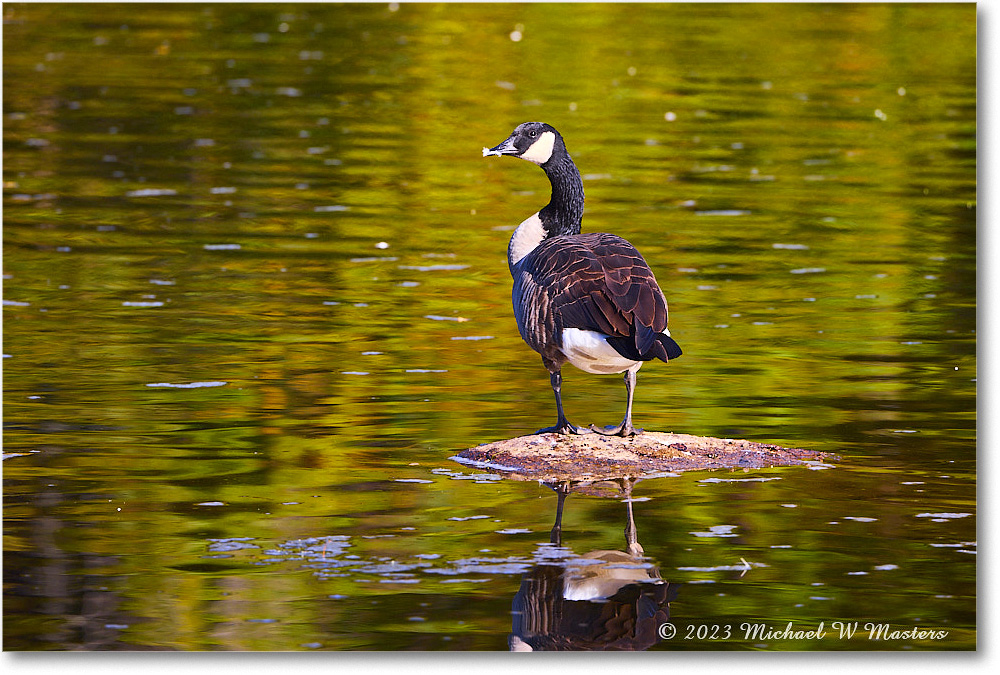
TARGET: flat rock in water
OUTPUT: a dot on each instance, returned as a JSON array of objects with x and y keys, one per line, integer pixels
[{"x": 593, "y": 457}]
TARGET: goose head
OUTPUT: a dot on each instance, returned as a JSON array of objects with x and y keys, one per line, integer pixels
[{"x": 534, "y": 141}]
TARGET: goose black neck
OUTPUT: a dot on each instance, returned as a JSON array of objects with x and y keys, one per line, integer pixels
[{"x": 564, "y": 211}]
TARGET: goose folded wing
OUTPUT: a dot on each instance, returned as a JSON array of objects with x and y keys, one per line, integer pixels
[{"x": 600, "y": 282}]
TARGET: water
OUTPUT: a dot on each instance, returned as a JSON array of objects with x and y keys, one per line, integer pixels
[{"x": 255, "y": 297}]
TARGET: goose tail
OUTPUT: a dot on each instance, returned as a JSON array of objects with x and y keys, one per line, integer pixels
[
  {"x": 669, "y": 346},
  {"x": 662, "y": 347}
]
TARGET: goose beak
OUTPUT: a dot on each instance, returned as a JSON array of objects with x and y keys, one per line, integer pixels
[{"x": 505, "y": 148}]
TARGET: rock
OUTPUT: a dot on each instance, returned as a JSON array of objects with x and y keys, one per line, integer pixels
[{"x": 593, "y": 457}]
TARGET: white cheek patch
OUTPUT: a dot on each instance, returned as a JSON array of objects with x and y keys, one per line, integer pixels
[{"x": 541, "y": 150}]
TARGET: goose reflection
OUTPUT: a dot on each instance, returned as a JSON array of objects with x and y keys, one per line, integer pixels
[{"x": 601, "y": 600}]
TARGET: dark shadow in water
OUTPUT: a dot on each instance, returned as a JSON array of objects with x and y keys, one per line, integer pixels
[{"x": 601, "y": 600}]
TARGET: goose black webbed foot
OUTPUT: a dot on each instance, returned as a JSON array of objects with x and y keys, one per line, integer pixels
[
  {"x": 624, "y": 430},
  {"x": 564, "y": 428}
]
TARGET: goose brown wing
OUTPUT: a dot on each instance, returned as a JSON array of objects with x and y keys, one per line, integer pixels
[{"x": 593, "y": 281}]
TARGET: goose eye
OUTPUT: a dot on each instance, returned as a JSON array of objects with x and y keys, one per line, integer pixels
[{"x": 532, "y": 133}]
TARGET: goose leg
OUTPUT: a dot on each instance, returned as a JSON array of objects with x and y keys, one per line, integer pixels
[
  {"x": 631, "y": 535},
  {"x": 625, "y": 428},
  {"x": 556, "y": 536},
  {"x": 562, "y": 424}
]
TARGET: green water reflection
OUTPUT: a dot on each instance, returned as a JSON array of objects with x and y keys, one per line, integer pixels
[{"x": 256, "y": 296}]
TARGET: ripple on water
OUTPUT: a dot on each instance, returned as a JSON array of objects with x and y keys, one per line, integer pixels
[
  {"x": 724, "y": 568},
  {"x": 475, "y": 477},
  {"x": 942, "y": 517},
  {"x": 375, "y": 258},
  {"x": 717, "y": 531},
  {"x": 723, "y": 212},
  {"x": 511, "y": 565},
  {"x": 151, "y": 192},
  {"x": 231, "y": 544},
  {"x": 433, "y": 268},
  {"x": 739, "y": 480},
  {"x": 392, "y": 567},
  {"x": 186, "y": 385}
]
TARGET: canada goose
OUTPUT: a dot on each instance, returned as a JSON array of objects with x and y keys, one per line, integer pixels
[{"x": 589, "y": 299}]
